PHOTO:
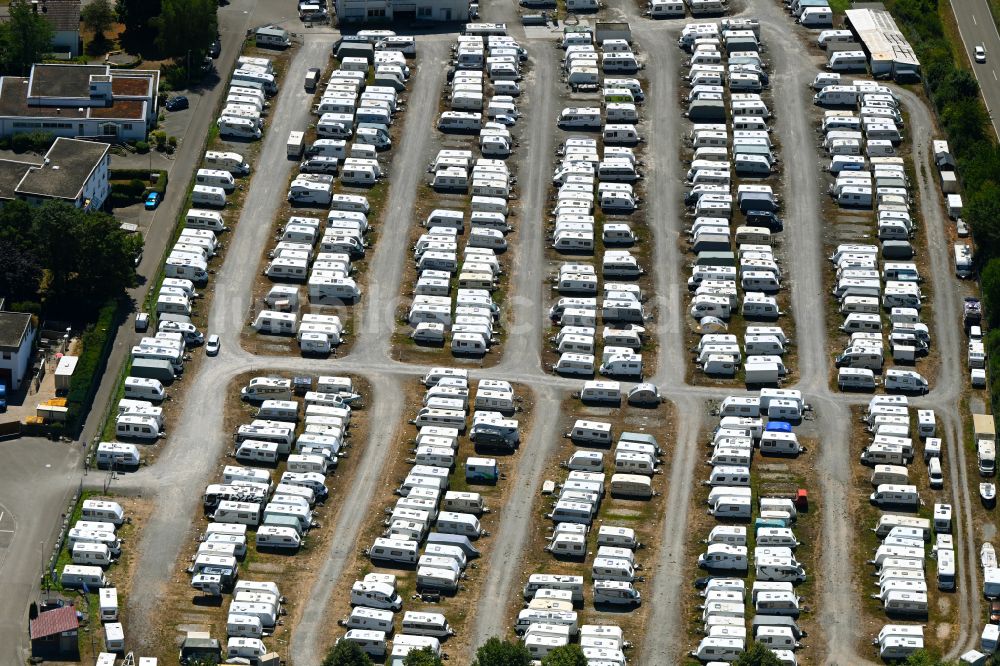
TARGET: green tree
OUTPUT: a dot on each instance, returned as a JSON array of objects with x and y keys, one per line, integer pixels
[
  {"x": 497, "y": 652},
  {"x": 186, "y": 26},
  {"x": 567, "y": 655},
  {"x": 982, "y": 212},
  {"x": 757, "y": 655},
  {"x": 924, "y": 658},
  {"x": 87, "y": 257},
  {"x": 965, "y": 119},
  {"x": 422, "y": 657},
  {"x": 24, "y": 39},
  {"x": 346, "y": 653},
  {"x": 98, "y": 16},
  {"x": 137, "y": 16},
  {"x": 989, "y": 282},
  {"x": 20, "y": 272}
]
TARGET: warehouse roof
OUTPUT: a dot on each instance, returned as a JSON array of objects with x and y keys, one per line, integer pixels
[{"x": 881, "y": 37}]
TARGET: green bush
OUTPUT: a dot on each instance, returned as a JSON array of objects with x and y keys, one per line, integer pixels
[
  {"x": 41, "y": 141},
  {"x": 126, "y": 193},
  {"x": 96, "y": 344},
  {"x": 141, "y": 147},
  {"x": 20, "y": 143}
]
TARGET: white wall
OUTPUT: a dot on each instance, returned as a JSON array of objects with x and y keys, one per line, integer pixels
[
  {"x": 97, "y": 187},
  {"x": 18, "y": 363}
]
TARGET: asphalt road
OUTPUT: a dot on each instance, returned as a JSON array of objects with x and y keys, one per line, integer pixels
[
  {"x": 38, "y": 478},
  {"x": 977, "y": 28}
]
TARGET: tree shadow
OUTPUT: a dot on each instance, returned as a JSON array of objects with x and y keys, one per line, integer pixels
[{"x": 98, "y": 46}]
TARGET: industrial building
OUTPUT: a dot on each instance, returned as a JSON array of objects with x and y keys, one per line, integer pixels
[
  {"x": 360, "y": 11},
  {"x": 889, "y": 53}
]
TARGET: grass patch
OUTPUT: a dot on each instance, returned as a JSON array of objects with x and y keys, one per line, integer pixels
[
  {"x": 995, "y": 11},
  {"x": 840, "y": 6},
  {"x": 66, "y": 555}
]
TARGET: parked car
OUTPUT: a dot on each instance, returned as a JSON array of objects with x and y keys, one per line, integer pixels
[
  {"x": 153, "y": 200},
  {"x": 212, "y": 345},
  {"x": 178, "y": 103},
  {"x": 215, "y": 49}
]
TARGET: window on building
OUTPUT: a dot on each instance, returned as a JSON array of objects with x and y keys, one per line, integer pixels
[
  {"x": 376, "y": 13},
  {"x": 424, "y": 11},
  {"x": 7, "y": 356}
]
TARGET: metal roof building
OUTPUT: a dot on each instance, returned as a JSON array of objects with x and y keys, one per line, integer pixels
[{"x": 889, "y": 53}]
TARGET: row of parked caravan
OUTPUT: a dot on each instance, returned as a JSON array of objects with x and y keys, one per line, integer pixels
[
  {"x": 484, "y": 64},
  {"x": 198, "y": 242},
  {"x": 726, "y": 61},
  {"x": 436, "y": 253},
  {"x": 430, "y": 517},
  {"x": 860, "y": 140},
  {"x": 352, "y": 111},
  {"x": 187, "y": 264},
  {"x": 253, "y": 81},
  {"x": 814, "y": 14},
  {"x": 763, "y": 421},
  {"x": 139, "y": 418},
  {"x": 94, "y": 545},
  {"x": 862, "y": 120},
  {"x": 159, "y": 358},
  {"x": 609, "y": 164},
  {"x": 321, "y": 255},
  {"x": 371, "y": 622},
  {"x": 245, "y": 503},
  {"x": 900, "y": 557},
  {"x": 657, "y": 9},
  {"x": 549, "y": 619},
  {"x": 990, "y": 636}
]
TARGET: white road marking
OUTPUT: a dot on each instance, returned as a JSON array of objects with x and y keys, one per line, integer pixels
[
  {"x": 974, "y": 20},
  {"x": 6, "y": 531}
]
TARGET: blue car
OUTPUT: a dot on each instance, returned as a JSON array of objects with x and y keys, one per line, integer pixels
[{"x": 152, "y": 200}]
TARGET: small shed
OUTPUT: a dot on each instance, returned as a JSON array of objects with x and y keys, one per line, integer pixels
[
  {"x": 612, "y": 30},
  {"x": 949, "y": 182},
  {"x": 54, "y": 634},
  {"x": 64, "y": 372}
]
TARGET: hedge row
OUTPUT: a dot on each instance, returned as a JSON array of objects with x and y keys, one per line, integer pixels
[
  {"x": 97, "y": 341},
  {"x": 141, "y": 174}
]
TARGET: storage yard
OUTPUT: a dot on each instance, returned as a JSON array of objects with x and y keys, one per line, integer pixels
[{"x": 645, "y": 332}]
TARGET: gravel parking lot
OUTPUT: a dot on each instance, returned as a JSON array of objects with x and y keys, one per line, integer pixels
[{"x": 838, "y": 635}]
